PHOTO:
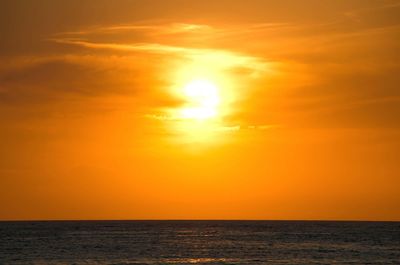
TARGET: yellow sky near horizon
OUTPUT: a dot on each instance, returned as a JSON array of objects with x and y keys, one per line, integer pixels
[{"x": 199, "y": 110}]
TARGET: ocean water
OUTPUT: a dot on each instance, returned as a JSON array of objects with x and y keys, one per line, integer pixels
[{"x": 199, "y": 242}]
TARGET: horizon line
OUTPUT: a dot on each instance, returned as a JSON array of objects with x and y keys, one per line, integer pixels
[{"x": 195, "y": 220}]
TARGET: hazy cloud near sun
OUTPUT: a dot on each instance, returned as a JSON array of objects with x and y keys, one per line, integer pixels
[{"x": 343, "y": 65}]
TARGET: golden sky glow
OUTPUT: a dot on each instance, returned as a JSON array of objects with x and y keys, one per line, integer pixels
[{"x": 200, "y": 109}]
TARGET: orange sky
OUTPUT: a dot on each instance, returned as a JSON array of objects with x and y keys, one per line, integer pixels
[{"x": 303, "y": 123}]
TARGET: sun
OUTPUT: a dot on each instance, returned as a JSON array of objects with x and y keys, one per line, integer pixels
[{"x": 202, "y": 100}]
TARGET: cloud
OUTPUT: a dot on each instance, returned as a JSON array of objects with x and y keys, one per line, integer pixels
[
  {"x": 317, "y": 65},
  {"x": 57, "y": 78},
  {"x": 140, "y": 47},
  {"x": 150, "y": 29},
  {"x": 227, "y": 57}
]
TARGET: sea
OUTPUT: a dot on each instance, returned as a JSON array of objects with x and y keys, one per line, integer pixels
[{"x": 199, "y": 242}]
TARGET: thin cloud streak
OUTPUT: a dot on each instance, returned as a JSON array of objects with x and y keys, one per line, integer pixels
[
  {"x": 257, "y": 63},
  {"x": 153, "y": 29}
]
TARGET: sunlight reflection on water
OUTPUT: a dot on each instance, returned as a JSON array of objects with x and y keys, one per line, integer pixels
[{"x": 199, "y": 242}]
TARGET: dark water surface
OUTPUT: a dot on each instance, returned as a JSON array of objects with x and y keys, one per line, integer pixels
[{"x": 199, "y": 242}]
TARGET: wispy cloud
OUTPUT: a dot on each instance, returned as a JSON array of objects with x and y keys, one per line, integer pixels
[
  {"x": 316, "y": 59},
  {"x": 230, "y": 58},
  {"x": 151, "y": 29}
]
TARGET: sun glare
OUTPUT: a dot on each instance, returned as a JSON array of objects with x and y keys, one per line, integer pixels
[
  {"x": 206, "y": 88},
  {"x": 202, "y": 97}
]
